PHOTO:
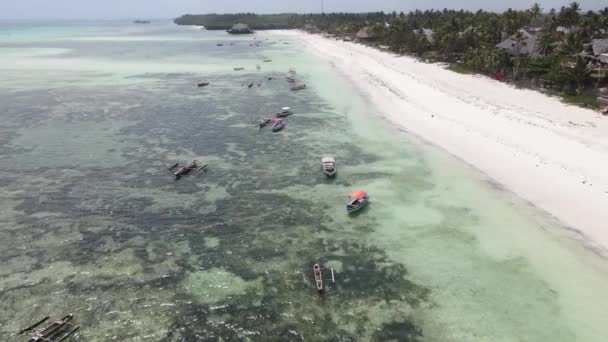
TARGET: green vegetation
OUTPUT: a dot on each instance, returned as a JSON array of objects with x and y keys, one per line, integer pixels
[
  {"x": 549, "y": 50},
  {"x": 459, "y": 69},
  {"x": 225, "y": 21}
]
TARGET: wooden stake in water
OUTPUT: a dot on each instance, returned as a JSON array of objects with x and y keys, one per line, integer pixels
[{"x": 332, "y": 276}]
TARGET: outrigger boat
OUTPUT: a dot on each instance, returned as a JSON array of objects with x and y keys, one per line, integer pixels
[
  {"x": 186, "y": 168},
  {"x": 285, "y": 112},
  {"x": 202, "y": 83},
  {"x": 316, "y": 270},
  {"x": 278, "y": 124},
  {"x": 298, "y": 86},
  {"x": 58, "y": 331},
  {"x": 358, "y": 200},
  {"x": 328, "y": 165}
]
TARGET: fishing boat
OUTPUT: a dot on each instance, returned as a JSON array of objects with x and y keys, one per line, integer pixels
[
  {"x": 58, "y": 331},
  {"x": 358, "y": 200},
  {"x": 285, "y": 112},
  {"x": 202, "y": 83},
  {"x": 220, "y": 44},
  {"x": 277, "y": 124},
  {"x": 298, "y": 86},
  {"x": 185, "y": 169},
  {"x": 316, "y": 270},
  {"x": 328, "y": 165}
]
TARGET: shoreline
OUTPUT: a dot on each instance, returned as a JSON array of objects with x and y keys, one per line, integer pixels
[{"x": 548, "y": 153}]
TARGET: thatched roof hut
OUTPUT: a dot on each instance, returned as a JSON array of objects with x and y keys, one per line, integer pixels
[
  {"x": 365, "y": 34},
  {"x": 523, "y": 43}
]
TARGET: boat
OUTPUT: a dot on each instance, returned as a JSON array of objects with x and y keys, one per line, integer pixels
[
  {"x": 316, "y": 270},
  {"x": 292, "y": 71},
  {"x": 358, "y": 200},
  {"x": 185, "y": 169},
  {"x": 291, "y": 78},
  {"x": 58, "y": 331},
  {"x": 220, "y": 44},
  {"x": 277, "y": 124},
  {"x": 298, "y": 86},
  {"x": 328, "y": 165},
  {"x": 285, "y": 112},
  {"x": 202, "y": 83},
  {"x": 239, "y": 69},
  {"x": 267, "y": 60}
]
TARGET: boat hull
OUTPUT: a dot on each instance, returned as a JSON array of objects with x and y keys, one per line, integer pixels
[
  {"x": 361, "y": 204},
  {"x": 277, "y": 128}
]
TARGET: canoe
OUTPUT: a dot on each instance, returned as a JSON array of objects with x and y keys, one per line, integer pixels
[
  {"x": 278, "y": 124},
  {"x": 285, "y": 112},
  {"x": 298, "y": 86},
  {"x": 316, "y": 270},
  {"x": 328, "y": 165},
  {"x": 358, "y": 200}
]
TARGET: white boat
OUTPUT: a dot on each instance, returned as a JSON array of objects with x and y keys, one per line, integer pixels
[{"x": 328, "y": 165}]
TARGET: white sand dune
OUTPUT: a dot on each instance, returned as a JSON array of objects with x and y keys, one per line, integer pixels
[{"x": 551, "y": 154}]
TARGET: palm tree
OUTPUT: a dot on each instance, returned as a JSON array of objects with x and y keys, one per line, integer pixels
[
  {"x": 578, "y": 73},
  {"x": 535, "y": 10}
]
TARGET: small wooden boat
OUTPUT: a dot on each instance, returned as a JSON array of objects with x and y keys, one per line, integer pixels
[
  {"x": 285, "y": 112},
  {"x": 298, "y": 86},
  {"x": 220, "y": 44},
  {"x": 328, "y": 165},
  {"x": 59, "y": 330},
  {"x": 239, "y": 69},
  {"x": 202, "y": 83},
  {"x": 316, "y": 270},
  {"x": 277, "y": 124},
  {"x": 185, "y": 169},
  {"x": 358, "y": 200}
]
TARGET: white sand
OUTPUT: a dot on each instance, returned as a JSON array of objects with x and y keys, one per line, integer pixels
[{"x": 549, "y": 153}]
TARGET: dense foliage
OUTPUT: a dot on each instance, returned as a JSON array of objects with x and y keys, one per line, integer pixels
[
  {"x": 225, "y": 21},
  {"x": 467, "y": 39}
]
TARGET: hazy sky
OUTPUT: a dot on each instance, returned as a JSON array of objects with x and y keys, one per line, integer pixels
[{"x": 110, "y": 9}]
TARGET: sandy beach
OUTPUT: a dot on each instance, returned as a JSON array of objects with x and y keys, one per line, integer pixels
[{"x": 549, "y": 153}]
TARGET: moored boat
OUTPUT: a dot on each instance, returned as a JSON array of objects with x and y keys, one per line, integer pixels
[
  {"x": 285, "y": 112},
  {"x": 328, "y": 165},
  {"x": 358, "y": 199},
  {"x": 316, "y": 270},
  {"x": 277, "y": 124},
  {"x": 202, "y": 83},
  {"x": 298, "y": 86}
]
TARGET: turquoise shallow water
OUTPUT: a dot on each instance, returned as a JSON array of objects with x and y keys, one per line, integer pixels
[{"x": 91, "y": 222}]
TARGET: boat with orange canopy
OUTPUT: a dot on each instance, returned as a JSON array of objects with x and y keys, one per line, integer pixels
[{"x": 358, "y": 199}]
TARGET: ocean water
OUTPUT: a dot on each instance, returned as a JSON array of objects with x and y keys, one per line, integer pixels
[{"x": 92, "y": 222}]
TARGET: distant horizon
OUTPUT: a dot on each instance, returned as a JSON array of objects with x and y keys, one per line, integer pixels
[{"x": 161, "y": 9}]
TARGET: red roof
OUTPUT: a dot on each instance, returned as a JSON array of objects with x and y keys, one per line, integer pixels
[{"x": 359, "y": 194}]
